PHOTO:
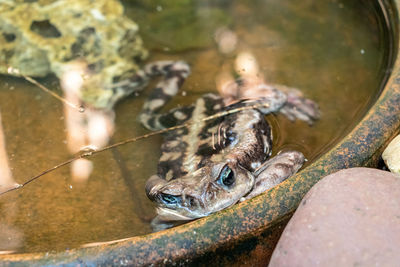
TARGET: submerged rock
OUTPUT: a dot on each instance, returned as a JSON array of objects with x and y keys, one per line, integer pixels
[
  {"x": 42, "y": 37},
  {"x": 350, "y": 218}
]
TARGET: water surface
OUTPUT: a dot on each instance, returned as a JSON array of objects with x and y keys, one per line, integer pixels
[{"x": 334, "y": 51}]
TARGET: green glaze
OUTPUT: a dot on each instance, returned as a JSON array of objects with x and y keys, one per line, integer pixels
[{"x": 177, "y": 25}]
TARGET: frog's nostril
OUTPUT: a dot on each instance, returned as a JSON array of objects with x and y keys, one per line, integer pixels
[{"x": 191, "y": 201}]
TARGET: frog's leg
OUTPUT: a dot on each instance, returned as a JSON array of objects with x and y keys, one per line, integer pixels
[
  {"x": 297, "y": 106},
  {"x": 275, "y": 170},
  {"x": 137, "y": 82},
  {"x": 294, "y": 105},
  {"x": 125, "y": 87},
  {"x": 175, "y": 74}
]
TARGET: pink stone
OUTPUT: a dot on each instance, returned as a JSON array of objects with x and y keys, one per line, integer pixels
[{"x": 349, "y": 218}]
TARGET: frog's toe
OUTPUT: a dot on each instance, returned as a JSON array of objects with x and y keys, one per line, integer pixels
[{"x": 298, "y": 107}]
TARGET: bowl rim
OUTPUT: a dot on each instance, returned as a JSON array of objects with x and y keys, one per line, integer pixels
[{"x": 361, "y": 147}]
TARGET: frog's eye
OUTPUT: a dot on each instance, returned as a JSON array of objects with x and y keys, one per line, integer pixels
[
  {"x": 226, "y": 176},
  {"x": 169, "y": 199}
]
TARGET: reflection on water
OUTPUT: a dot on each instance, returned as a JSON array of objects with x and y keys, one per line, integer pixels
[
  {"x": 6, "y": 179},
  {"x": 226, "y": 40},
  {"x": 11, "y": 237},
  {"x": 90, "y": 129},
  {"x": 331, "y": 51}
]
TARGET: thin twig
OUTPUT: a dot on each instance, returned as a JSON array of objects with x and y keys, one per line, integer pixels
[
  {"x": 12, "y": 70},
  {"x": 134, "y": 139}
]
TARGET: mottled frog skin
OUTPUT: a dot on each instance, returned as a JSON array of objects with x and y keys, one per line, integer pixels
[{"x": 212, "y": 164}]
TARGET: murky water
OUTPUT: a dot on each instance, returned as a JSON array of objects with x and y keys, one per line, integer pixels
[{"x": 334, "y": 51}]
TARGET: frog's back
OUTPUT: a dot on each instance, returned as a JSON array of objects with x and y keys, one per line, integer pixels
[
  {"x": 242, "y": 135},
  {"x": 179, "y": 152}
]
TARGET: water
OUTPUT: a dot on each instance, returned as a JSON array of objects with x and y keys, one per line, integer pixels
[{"x": 336, "y": 52}]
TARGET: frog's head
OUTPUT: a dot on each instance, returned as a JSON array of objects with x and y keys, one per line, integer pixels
[{"x": 209, "y": 189}]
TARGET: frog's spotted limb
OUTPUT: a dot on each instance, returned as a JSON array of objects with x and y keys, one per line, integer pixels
[
  {"x": 274, "y": 171},
  {"x": 295, "y": 105},
  {"x": 174, "y": 74}
]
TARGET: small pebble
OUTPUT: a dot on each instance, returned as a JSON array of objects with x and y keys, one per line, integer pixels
[{"x": 391, "y": 155}]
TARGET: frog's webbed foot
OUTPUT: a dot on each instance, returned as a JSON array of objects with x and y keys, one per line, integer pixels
[
  {"x": 275, "y": 170},
  {"x": 299, "y": 107},
  {"x": 289, "y": 101}
]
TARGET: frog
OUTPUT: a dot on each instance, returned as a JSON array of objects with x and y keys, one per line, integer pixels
[{"x": 217, "y": 161}]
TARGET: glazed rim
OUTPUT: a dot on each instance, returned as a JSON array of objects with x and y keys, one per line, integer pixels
[{"x": 361, "y": 147}]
